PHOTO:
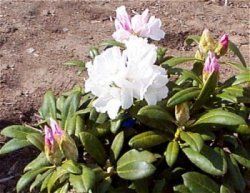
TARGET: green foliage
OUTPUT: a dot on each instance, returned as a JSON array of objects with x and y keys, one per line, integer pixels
[{"x": 208, "y": 152}]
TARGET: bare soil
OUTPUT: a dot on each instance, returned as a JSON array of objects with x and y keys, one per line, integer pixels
[{"x": 37, "y": 37}]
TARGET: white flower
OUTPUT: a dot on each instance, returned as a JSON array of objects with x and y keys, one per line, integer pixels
[
  {"x": 117, "y": 78},
  {"x": 142, "y": 25}
]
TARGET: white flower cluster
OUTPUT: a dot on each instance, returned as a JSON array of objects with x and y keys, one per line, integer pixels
[{"x": 118, "y": 77}]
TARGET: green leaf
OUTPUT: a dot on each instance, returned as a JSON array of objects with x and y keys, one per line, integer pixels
[
  {"x": 60, "y": 103},
  {"x": 18, "y": 131},
  {"x": 199, "y": 183},
  {"x": 38, "y": 162},
  {"x": 104, "y": 186},
  {"x": 45, "y": 182},
  {"x": 183, "y": 96},
  {"x": 181, "y": 189},
  {"x": 70, "y": 107},
  {"x": 134, "y": 155},
  {"x": 171, "y": 154},
  {"x": 83, "y": 182},
  {"x": 220, "y": 117},
  {"x": 28, "y": 177},
  {"x": 93, "y": 146},
  {"x": 110, "y": 43},
  {"x": 135, "y": 170},
  {"x": 71, "y": 167},
  {"x": 117, "y": 145},
  {"x": 237, "y": 52},
  {"x": 207, "y": 90},
  {"x": 80, "y": 124},
  {"x": 192, "y": 38},
  {"x": 12, "y": 145},
  {"x": 48, "y": 109},
  {"x": 242, "y": 78},
  {"x": 115, "y": 125},
  {"x": 70, "y": 124},
  {"x": 177, "y": 60},
  {"x": 234, "y": 176},
  {"x": 37, "y": 140},
  {"x": 242, "y": 157},
  {"x": 39, "y": 179},
  {"x": 193, "y": 139},
  {"x": 155, "y": 116},
  {"x": 148, "y": 139},
  {"x": 207, "y": 160},
  {"x": 63, "y": 189},
  {"x": 79, "y": 63},
  {"x": 189, "y": 74},
  {"x": 60, "y": 172}
]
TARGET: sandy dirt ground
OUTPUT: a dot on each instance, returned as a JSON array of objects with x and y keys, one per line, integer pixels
[{"x": 37, "y": 37}]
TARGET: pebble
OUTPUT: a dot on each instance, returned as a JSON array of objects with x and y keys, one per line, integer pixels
[
  {"x": 65, "y": 29},
  {"x": 30, "y": 50}
]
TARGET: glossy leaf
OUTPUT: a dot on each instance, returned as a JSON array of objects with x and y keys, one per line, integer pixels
[
  {"x": 171, "y": 154},
  {"x": 37, "y": 140},
  {"x": 13, "y": 144},
  {"x": 28, "y": 177},
  {"x": 135, "y": 170},
  {"x": 242, "y": 157},
  {"x": 71, "y": 167},
  {"x": 55, "y": 177},
  {"x": 148, "y": 139},
  {"x": 38, "y": 162},
  {"x": 181, "y": 189},
  {"x": 93, "y": 146},
  {"x": 207, "y": 160},
  {"x": 48, "y": 109},
  {"x": 220, "y": 117},
  {"x": 242, "y": 78},
  {"x": 18, "y": 131},
  {"x": 199, "y": 183},
  {"x": 183, "y": 96},
  {"x": 117, "y": 145},
  {"x": 193, "y": 139}
]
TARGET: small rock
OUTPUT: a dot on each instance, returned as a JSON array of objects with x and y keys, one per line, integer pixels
[
  {"x": 65, "y": 29},
  {"x": 30, "y": 50}
]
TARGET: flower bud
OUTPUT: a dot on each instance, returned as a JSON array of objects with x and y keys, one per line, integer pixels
[
  {"x": 207, "y": 42},
  {"x": 65, "y": 142},
  {"x": 182, "y": 113},
  {"x": 52, "y": 151},
  {"x": 222, "y": 46},
  {"x": 211, "y": 66}
]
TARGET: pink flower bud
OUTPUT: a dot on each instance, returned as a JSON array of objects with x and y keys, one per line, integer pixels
[
  {"x": 222, "y": 47},
  {"x": 49, "y": 138},
  {"x": 211, "y": 64},
  {"x": 224, "y": 41},
  {"x": 56, "y": 129}
]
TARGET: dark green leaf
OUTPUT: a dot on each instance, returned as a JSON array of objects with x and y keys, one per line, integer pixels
[
  {"x": 242, "y": 156},
  {"x": 38, "y": 162},
  {"x": 141, "y": 186},
  {"x": 48, "y": 109},
  {"x": 39, "y": 179},
  {"x": 28, "y": 177},
  {"x": 148, "y": 139},
  {"x": 183, "y": 96},
  {"x": 18, "y": 131},
  {"x": 93, "y": 146},
  {"x": 117, "y": 145},
  {"x": 193, "y": 139},
  {"x": 60, "y": 172},
  {"x": 12, "y": 145},
  {"x": 199, "y": 183},
  {"x": 171, "y": 154},
  {"x": 71, "y": 167},
  {"x": 181, "y": 189},
  {"x": 192, "y": 38},
  {"x": 207, "y": 160},
  {"x": 37, "y": 140},
  {"x": 234, "y": 176}
]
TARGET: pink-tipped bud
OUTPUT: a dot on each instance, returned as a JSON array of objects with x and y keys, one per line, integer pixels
[
  {"x": 49, "y": 138},
  {"x": 222, "y": 47},
  {"x": 211, "y": 65},
  {"x": 56, "y": 130}
]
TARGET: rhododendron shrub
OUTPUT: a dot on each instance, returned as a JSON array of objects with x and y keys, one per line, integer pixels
[{"x": 141, "y": 123}]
